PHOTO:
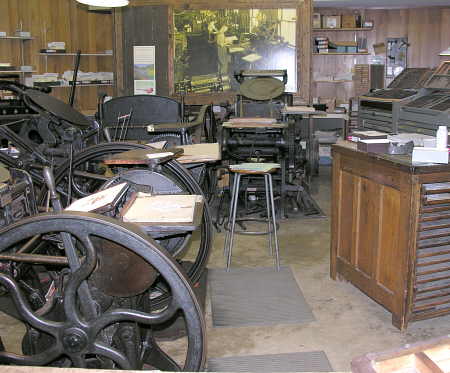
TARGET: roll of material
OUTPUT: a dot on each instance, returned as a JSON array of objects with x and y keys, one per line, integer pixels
[{"x": 442, "y": 137}]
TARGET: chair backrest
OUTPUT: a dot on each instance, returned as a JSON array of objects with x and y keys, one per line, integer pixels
[{"x": 146, "y": 109}]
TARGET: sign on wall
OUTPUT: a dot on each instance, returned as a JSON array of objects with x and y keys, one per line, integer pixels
[{"x": 144, "y": 70}]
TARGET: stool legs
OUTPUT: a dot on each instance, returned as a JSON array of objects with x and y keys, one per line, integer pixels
[
  {"x": 269, "y": 219},
  {"x": 233, "y": 210},
  {"x": 274, "y": 223},
  {"x": 230, "y": 214}
]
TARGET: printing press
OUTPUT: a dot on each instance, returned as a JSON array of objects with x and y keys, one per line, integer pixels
[
  {"x": 262, "y": 130},
  {"x": 380, "y": 109},
  {"x": 431, "y": 107},
  {"x": 70, "y": 274},
  {"x": 49, "y": 137}
]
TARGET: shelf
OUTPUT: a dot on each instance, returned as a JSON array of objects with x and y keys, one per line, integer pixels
[
  {"x": 332, "y": 81},
  {"x": 16, "y": 72},
  {"x": 344, "y": 29},
  {"x": 80, "y": 85},
  {"x": 342, "y": 54},
  {"x": 74, "y": 54},
  {"x": 16, "y": 37}
]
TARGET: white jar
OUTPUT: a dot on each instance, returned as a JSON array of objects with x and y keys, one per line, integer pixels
[{"x": 441, "y": 137}]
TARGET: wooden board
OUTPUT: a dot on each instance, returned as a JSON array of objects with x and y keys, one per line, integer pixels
[
  {"x": 431, "y": 356},
  {"x": 143, "y": 156}
]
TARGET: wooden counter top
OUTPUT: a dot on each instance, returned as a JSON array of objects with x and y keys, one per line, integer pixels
[{"x": 401, "y": 162}]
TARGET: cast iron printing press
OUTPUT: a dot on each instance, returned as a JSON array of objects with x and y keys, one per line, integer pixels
[
  {"x": 54, "y": 266},
  {"x": 264, "y": 128}
]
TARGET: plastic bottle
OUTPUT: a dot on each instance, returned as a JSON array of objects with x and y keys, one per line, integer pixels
[{"x": 442, "y": 137}]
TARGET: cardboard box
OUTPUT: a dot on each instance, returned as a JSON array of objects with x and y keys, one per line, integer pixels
[
  {"x": 379, "y": 48},
  {"x": 317, "y": 20},
  {"x": 370, "y": 135},
  {"x": 23, "y": 34},
  {"x": 374, "y": 146},
  {"x": 348, "y": 21},
  {"x": 430, "y": 155},
  {"x": 331, "y": 21},
  {"x": 330, "y": 102}
]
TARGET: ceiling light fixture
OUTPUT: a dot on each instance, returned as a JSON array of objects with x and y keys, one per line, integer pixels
[
  {"x": 105, "y": 3},
  {"x": 445, "y": 53}
]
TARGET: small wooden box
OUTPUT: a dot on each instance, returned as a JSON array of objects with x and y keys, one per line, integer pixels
[
  {"x": 348, "y": 21},
  {"x": 331, "y": 21}
]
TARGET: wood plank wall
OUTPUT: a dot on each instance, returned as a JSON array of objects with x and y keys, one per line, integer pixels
[
  {"x": 59, "y": 20},
  {"x": 304, "y": 10},
  {"x": 427, "y": 29},
  {"x": 146, "y": 25}
]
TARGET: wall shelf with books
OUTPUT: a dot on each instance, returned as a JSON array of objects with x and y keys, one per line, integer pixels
[
  {"x": 3, "y": 72},
  {"x": 343, "y": 29},
  {"x": 341, "y": 54},
  {"x": 17, "y": 37},
  {"x": 20, "y": 60},
  {"x": 74, "y": 54}
]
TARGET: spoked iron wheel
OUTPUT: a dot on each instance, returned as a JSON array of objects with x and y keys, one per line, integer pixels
[
  {"x": 94, "y": 323},
  {"x": 89, "y": 175}
]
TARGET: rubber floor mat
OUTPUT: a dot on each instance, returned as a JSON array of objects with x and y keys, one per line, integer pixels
[
  {"x": 256, "y": 296},
  {"x": 314, "y": 361}
]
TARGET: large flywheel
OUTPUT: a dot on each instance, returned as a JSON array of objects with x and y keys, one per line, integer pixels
[
  {"x": 89, "y": 174},
  {"x": 80, "y": 321}
]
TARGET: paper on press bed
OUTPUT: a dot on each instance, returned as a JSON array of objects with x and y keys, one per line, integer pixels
[
  {"x": 97, "y": 200},
  {"x": 162, "y": 208}
]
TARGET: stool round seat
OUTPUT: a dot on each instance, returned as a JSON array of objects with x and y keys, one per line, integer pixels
[{"x": 254, "y": 168}]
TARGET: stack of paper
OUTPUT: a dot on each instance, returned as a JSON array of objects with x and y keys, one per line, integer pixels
[
  {"x": 252, "y": 120},
  {"x": 174, "y": 208},
  {"x": 97, "y": 200},
  {"x": 296, "y": 109},
  {"x": 254, "y": 167},
  {"x": 200, "y": 153}
]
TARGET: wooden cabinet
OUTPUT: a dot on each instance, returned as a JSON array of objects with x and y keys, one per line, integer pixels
[{"x": 390, "y": 231}]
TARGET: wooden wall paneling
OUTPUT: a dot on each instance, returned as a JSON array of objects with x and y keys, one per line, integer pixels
[
  {"x": 6, "y": 46},
  {"x": 444, "y": 32},
  {"x": 230, "y": 4},
  {"x": 146, "y": 25},
  {"x": 304, "y": 47},
  {"x": 171, "y": 51},
  {"x": 62, "y": 20},
  {"x": 164, "y": 69},
  {"x": 118, "y": 46}
]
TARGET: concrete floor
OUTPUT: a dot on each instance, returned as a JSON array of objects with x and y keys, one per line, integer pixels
[{"x": 348, "y": 323}]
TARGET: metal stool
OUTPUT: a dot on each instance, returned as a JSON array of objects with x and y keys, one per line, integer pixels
[{"x": 246, "y": 169}]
